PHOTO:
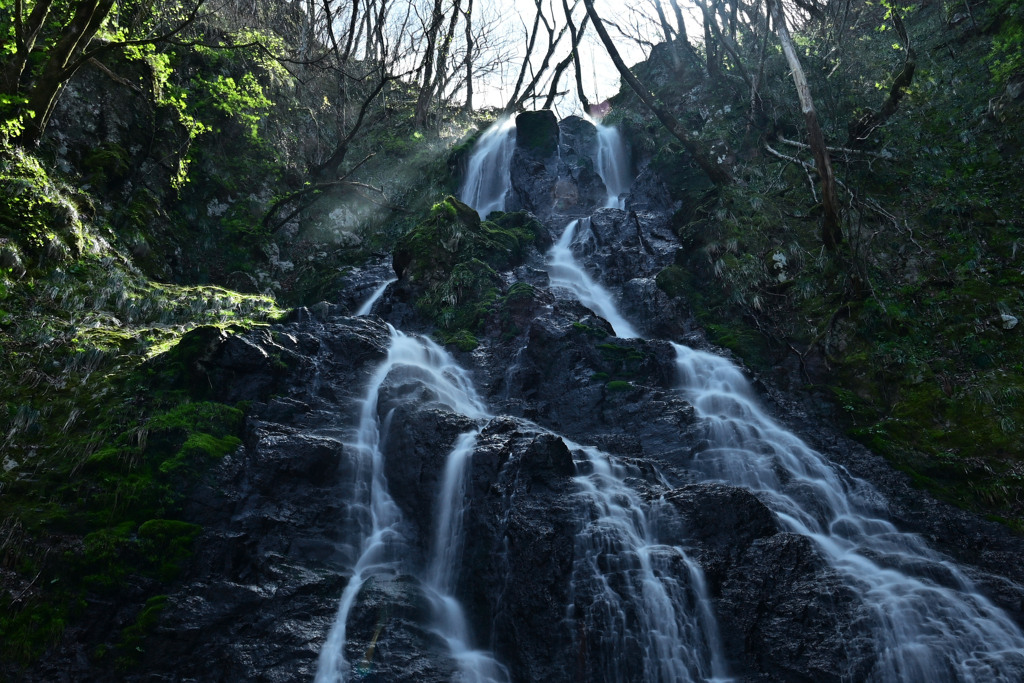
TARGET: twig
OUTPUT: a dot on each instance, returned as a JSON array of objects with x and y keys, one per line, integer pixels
[
  {"x": 114, "y": 77},
  {"x": 844, "y": 150},
  {"x": 803, "y": 164}
]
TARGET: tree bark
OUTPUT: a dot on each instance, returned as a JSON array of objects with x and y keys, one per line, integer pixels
[
  {"x": 576, "y": 36},
  {"x": 26, "y": 32},
  {"x": 469, "y": 56},
  {"x": 831, "y": 228},
  {"x": 427, "y": 86},
  {"x": 60, "y": 65},
  {"x": 715, "y": 172}
]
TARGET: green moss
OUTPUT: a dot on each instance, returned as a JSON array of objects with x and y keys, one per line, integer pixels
[
  {"x": 452, "y": 259},
  {"x": 133, "y": 637},
  {"x": 618, "y": 385},
  {"x": 672, "y": 281},
  {"x": 463, "y": 340},
  {"x": 106, "y": 164}
]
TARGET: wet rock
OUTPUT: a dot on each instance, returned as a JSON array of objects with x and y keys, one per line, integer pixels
[
  {"x": 520, "y": 531},
  {"x": 579, "y": 189},
  {"x": 415, "y": 455},
  {"x": 659, "y": 315},
  {"x": 648, "y": 193},
  {"x": 625, "y": 245},
  {"x": 537, "y": 133},
  {"x": 534, "y": 165}
]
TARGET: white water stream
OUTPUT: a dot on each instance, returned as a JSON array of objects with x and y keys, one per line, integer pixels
[
  {"x": 929, "y": 621},
  {"x": 613, "y": 165},
  {"x": 382, "y": 545},
  {"x": 367, "y": 305},
  {"x": 646, "y": 600},
  {"x": 488, "y": 179},
  {"x": 566, "y": 272}
]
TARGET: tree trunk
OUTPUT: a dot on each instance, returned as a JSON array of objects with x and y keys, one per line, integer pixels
[
  {"x": 427, "y": 86},
  {"x": 60, "y": 66},
  {"x": 443, "y": 73},
  {"x": 831, "y": 228},
  {"x": 576, "y": 36},
  {"x": 25, "y": 34},
  {"x": 716, "y": 173},
  {"x": 469, "y": 56}
]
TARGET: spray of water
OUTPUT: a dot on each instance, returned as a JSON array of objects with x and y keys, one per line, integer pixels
[
  {"x": 566, "y": 272},
  {"x": 488, "y": 178},
  {"x": 382, "y": 545}
]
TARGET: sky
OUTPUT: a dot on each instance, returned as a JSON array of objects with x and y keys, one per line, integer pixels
[{"x": 600, "y": 78}]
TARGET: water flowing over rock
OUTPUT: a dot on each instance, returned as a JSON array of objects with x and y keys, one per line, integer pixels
[
  {"x": 487, "y": 181},
  {"x": 579, "y": 498}
]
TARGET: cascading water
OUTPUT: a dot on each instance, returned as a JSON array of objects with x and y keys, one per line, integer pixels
[
  {"x": 613, "y": 165},
  {"x": 924, "y": 630},
  {"x": 488, "y": 178},
  {"x": 380, "y": 527},
  {"x": 476, "y": 666},
  {"x": 565, "y": 271},
  {"x": 647, "y": 600},
  {"x": 367, "y": 305}
]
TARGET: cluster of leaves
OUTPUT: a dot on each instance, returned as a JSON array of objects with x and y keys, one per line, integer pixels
[{"x": 1006, "y": 58}]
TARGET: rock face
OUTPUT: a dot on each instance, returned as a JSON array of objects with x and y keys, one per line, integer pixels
[
  {"x": 554, "y": 167},
  {"x": 281, "y": 526}
]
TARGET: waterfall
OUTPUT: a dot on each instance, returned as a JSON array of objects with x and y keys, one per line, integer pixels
[
  {"x": 647, "y": 600},
  {"x": 566, "y": 272},
  {"x": 488, "y": 177},
  {"x": 613, "y": 165},
  {"x": 367, "y": 305},
  {"x": 924, "y": 630},
  {"x": 639, "y": 604},
  {"x": 476, "y": 666},
  {"x": 380, "y": 527}
]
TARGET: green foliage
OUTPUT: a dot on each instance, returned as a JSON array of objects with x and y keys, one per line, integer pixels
[
  {"x": 242, "y": 101},
  {"x": 37, "y": 212},
  {"x": 1006, "y": 59},
  {"x": 463, "y": 340}
]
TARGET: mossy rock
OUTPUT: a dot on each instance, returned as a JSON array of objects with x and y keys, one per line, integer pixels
[
  {"x": 450, "y": 261},
  {"x": 180, "y": 368}
]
